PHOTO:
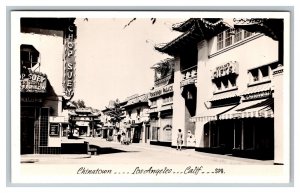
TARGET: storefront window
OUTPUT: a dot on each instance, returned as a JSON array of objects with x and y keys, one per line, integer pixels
[
  {"x": 168, "y": 133},
  {"x": 154, "y": 133}
]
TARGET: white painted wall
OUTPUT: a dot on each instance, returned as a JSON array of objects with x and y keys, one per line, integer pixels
[
  {"x": 260, "y": 51},
  {"x": 178, "y": 105}
]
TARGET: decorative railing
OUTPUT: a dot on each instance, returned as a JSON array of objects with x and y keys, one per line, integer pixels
[{"x": 189, "y": 76}]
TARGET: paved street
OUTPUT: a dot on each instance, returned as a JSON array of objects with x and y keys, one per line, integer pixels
[{"x": 115, "y": 153}]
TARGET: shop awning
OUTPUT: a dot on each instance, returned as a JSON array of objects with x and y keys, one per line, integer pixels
[
  {"x": 137, "y": 124},
  {"x": 211, "y": 114},
  {"x": 153, "y": 110},
  {"x": 225, "y": 95},
  {"x": 166, "y": 107},
  {"x": 257, "y": 89},
  {"x": 250, "y": 109}
]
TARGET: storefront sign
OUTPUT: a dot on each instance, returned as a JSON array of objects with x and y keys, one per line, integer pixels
[
  {"x": 162, "y": 81},
  {"x": 33, "y": 82},
  {"x": 259, "y": 95},
  {"x": 225, "y": 69},
  {"x": 69, "y": 63},
  {"x": 277, "y": 72},
  {"x": 161, "y": 91},
  {"x": 31, "y": 100},
  {"x": 54, "y": 129},
  {"x": 187, "y": 82}
]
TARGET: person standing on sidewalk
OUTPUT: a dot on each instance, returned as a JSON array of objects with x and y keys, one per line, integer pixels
[{"x": 179, "y": 139}]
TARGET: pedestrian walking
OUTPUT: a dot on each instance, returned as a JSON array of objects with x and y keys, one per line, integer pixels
[
  {"x": 179, "y": 139},
  {"x": 119, "y": 136},
  {"x": 122, "y": 138}
]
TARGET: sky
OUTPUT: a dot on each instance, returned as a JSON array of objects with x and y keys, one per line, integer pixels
[{"x": 114, "y": 62}]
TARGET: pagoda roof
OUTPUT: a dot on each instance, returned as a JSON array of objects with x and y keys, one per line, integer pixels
[
  {"x": 137, "y": 100},
  {"x": 47, "y": 23},
  {"x": 166, "y": 61},
  {"x": 199, "y": 29},
  {"x": 271, "y": 27},
  {"x": 186, "y": 25}
]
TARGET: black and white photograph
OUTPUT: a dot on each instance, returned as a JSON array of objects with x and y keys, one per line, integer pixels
[{"x": 150, "y": 97}]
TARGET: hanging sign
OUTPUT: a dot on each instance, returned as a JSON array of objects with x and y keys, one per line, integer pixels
[
  {"x": 33, "y": 82},
  {"x": 161, "y": 91},
  {"x": 69, "y": 61}
]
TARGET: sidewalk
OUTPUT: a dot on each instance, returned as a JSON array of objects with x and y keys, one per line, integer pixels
[
  {"x": 140, "y": 147},
  {"x": 222, "y": 159},
  {"x": 33, "y": 158}
]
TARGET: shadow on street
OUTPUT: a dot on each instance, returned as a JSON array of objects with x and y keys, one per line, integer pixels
[
  {"x": 107, "y": 150},
  {"x": 74, "y": 137}
]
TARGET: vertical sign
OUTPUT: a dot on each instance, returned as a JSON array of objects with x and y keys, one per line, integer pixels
[{"x": 69, "y": 61}]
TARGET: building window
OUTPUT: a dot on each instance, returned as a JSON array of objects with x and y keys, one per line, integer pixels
[
  {"x": 129, "y": 114},
  {"x": 232, "y": 81},
  {"x": 218, "y": 85},
  {"x": 154, "y": 103},
  {"x": 254, "y": 74},
  {"x": 260, "y": 74},
  {"x": 238, "y": 35},
  {"x": 247, "y": 34},
  {"x": 168, "y": 99},
  {"x": 228, "y": 38},
  {"x": 264, "y": 71},
  {"x": 220, "y": 41},
  {"x": 225, "y": 84},
  {"x": 29, "y": 57},
  {"x": 138, "y": 112}
]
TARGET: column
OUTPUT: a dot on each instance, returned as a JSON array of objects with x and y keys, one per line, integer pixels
[
  {"x": 242, "y": 134},
  {"x": 178, "y": 105},
  {"x": 278, "y": 115},
  {"x": 199, "y": 133},
  {"x": 143, "y": 132}
]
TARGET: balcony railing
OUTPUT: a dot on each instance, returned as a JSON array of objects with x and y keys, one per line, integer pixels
[
  {"x": 189, "y": 73},
  {"x": 189, "y": 76}
]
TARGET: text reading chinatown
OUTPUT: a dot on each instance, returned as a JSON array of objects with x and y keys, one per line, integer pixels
[{"x": 189, "y": 170}]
